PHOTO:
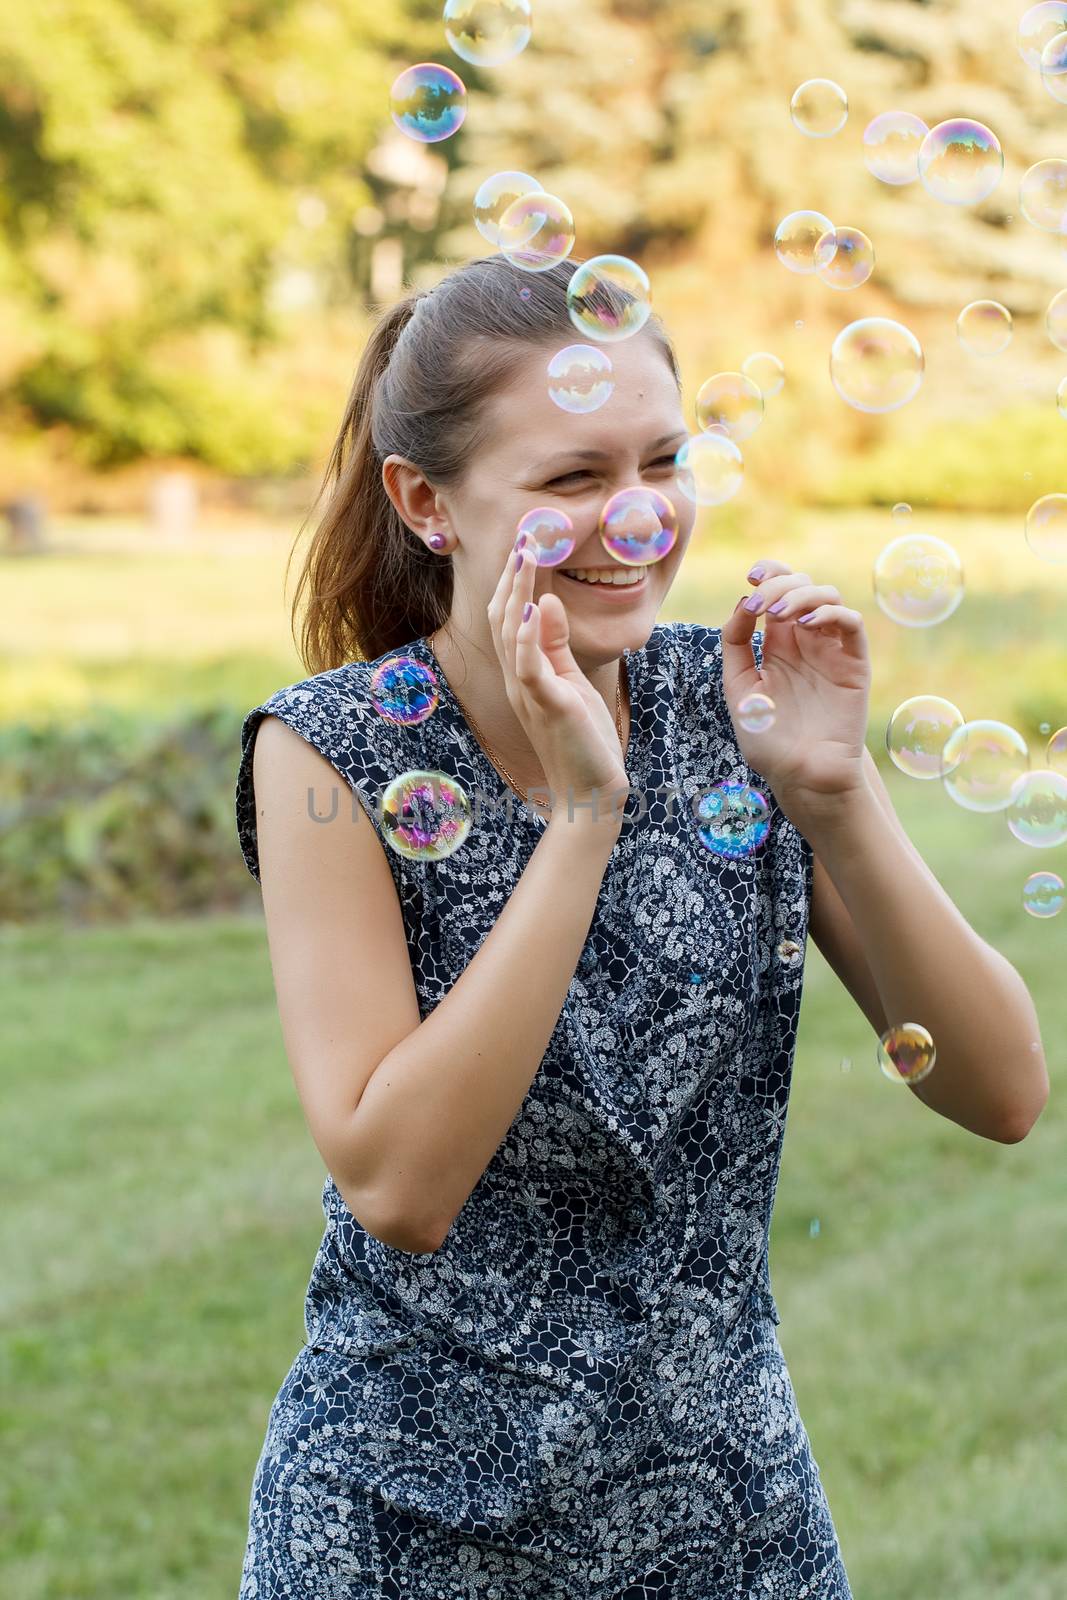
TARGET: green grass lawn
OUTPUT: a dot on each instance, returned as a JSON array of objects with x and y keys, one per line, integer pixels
[{"x": 161, "y": 1213}]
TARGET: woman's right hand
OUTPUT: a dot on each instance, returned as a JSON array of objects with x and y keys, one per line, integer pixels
[{"x": 566, "y": 720}]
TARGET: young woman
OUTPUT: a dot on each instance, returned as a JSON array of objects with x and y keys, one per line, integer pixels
[{"x": 548, "y": 1073}]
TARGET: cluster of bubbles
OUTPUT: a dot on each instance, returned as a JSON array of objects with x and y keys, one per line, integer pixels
[
  {"x": 428, "y": 101},
  {"x": 729, "y": 408},
  {"x": 985, "y": 766},
  {"x": 807, "y": 242},
  {"x": 1042, "y": 41}
]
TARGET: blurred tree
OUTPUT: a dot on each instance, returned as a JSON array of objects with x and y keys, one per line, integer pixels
[{"x": 176, "y": 175}]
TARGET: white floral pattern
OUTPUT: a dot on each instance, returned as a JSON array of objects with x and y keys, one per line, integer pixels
[{"x": 581, "y": 1395}]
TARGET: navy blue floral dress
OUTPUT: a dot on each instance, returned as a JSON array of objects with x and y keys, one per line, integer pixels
[{"x": 581, "y": 1395}]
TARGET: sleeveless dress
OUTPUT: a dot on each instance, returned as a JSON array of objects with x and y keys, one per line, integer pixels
[{"x": 581, "y": 1395}]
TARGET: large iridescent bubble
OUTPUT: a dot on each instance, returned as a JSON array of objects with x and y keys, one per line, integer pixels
[
  {"x": 609, "y": 298},
  {"x": 1037, "y": 26},
  {"x": 795, "y": 239},
  {"x": 494, "y": 197},
  {"x": 960, "y": 162},
  {"x": 876, "y": 364},
  {"x": 844, "y": 258},
  {"x": 638, "y": 526},
  {"x": 549, "y": 534},
  {"x": 1044, "y": 895},
  {"x": 404, "y": 690},
  {"x": 537, "y": 232},
  {"x": 917, "y": 733},
  {"x": 984, "y": 327},
  {"x": 980, "y": 763},
  {"x": 891, "y": 144},
  {"x": 710, "y": 468},
  {"x": 428, "y": 102},
  {"x": 580, "y": 378},
  {"x": 1056, "y": 320},
  {"x": 731, "y": 400},
  {"x": 425, "y": 815},
  {"x": 1046, "y": 528},
  {"x": 733, "y": 820},
  {"x": 488, "y": 32},
  {"x": 819, "y": 108},
  {"x": 1054, "y": 67},
  {"x": 1037, "y": 811},
  {"x": 918, "y": 580},
  {"x": 766, "y": 371},
  {"x": 1043, "y": 195},
  {"x": 906, "y": 1053}
]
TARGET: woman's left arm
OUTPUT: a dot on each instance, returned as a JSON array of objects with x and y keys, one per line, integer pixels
[
  {"x": 887, "y": 918},
  {"x": 929, "y": 966}
]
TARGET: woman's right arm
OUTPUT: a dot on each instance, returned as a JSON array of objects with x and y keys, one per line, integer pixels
[{"x": 407, "y": 1114}]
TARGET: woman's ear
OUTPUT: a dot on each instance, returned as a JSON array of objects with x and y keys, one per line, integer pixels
[{"x": 413, "y": 495}]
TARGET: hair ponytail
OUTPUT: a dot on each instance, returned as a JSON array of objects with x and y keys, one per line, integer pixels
[{"x": 431, "y": 363}]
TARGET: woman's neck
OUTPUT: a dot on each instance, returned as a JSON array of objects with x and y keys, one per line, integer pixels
[{"x": 478, "y": 685}]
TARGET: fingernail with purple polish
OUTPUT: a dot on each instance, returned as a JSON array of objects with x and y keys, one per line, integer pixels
[
  {"x": 520, "y": 541},
  {"x": 518, "y": 561},
  {"x": 756, "y": 574},
  {"x": 526, "y": 610}
]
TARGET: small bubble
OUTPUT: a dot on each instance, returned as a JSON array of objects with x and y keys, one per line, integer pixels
[{"x": 814, "y": 1228}]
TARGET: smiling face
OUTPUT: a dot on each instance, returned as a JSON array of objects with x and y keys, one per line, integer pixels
[{"x": 538, "y": 455}]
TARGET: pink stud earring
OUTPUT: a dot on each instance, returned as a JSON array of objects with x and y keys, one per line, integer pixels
[{"x": 437, "y": 541}]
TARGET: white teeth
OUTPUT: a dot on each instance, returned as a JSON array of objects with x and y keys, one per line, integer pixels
[{"x": 619, "y": 579}]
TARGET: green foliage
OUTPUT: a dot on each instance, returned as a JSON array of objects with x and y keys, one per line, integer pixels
[{"x": 116, "y": 814}]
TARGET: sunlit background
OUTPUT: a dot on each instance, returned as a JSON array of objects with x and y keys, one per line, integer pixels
[{"x": 202, "y": 208}]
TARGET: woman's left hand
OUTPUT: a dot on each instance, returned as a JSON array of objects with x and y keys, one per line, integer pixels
[{"x": 818, "y": 674}]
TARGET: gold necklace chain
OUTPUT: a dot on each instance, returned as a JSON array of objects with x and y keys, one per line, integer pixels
[{"x": 495, "y": 759}]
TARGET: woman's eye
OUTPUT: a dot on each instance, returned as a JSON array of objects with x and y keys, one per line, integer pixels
[{"x": 567, "y": 476}]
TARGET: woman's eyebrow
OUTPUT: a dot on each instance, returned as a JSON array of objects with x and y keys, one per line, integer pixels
[{"x": 600, "y": 455}]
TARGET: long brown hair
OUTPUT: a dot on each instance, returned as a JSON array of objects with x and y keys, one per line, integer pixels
[{"x": 420, "y": 391}]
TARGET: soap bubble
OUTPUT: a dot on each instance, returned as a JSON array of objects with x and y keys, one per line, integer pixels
[
  {"x": 1056, "y": 320},
  {"x": 789, "y": 953},
  {"x": 1043, "y": 195},
  {"x": 495, "y": 196},
  {"x": 1061, "y": 398},
  {"x": 766, "y": 372},
  {"x": 1037, "y": 810},
  {"x": 984, "y": 327},
  {"x": 1046, "y": 527},
  {"x": 906, "y": 1054},
  {"x": 580, "y": 378},
  {"x": 710, "y": 468},
  {"x": 891, "y": 146},
  {"x": 980, "y": 763},
  {"x": 487, "y": 32},
  {"x": 1037, "y": 26},
  {"x": 756, "y": 712},
  {"x": 537, "y": 232},
  {"x": 844, "y": 258},
  {"x": 917, "y": 733},
  {"x": 425, "y": 815},
  {"x": 819, "y": 108},
  {"x": 795, "y": 239},
  {"x": 1054, "y": 67},
  {"x": 918, "y": 580},
  {"x": 960, "y": 162},
  {"x": 901, "y": 509},
  {"x": 876, "y": 364},
  {"x": 1056, "y": 753},
  {"x": 609, "y": 298},
  {"x": 733, "y": 820},
  {"x": 638, "y": 525},
  {"x": 549, "y": 534},
  {"x": 428, "y": 102},
  {"x": 1043, "y": 894},
  {"x": 404, "y": 691},
  {"x": 731, "y": 400}
]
